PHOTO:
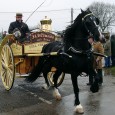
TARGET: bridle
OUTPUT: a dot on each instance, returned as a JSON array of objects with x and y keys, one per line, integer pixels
[{"x": 84, "y": 22}]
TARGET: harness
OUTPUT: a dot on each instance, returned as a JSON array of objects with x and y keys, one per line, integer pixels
[
  {"x": 87, "y": 52},
  {"x": 83, "y": 20},
  {"x": 74, "y": 50}
]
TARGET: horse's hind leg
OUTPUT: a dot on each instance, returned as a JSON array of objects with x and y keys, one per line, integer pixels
[
  {"x": 46, "y": 85},
  {"x": 45, "y": 73},
  {"x": 56, "y": 93},
  {"x": 78, "y": 107}
]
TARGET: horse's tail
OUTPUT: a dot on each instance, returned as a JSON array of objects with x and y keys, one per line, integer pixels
[{"x": 35, "y": 73}]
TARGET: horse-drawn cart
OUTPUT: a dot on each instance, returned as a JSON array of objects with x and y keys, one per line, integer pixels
[{"x": 18, "y": 59}]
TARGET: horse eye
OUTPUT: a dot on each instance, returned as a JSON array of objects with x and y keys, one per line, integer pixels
[
  {"x": 97, "y": 21},
  {"x": 88, "y": 19},
  {"x": 93, "y": 18}
]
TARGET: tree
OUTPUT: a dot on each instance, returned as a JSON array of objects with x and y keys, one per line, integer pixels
[{"x": 105, "y": 13}]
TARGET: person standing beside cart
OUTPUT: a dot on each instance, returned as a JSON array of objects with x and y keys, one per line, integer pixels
[
  {"x": 113, "y": 50},
  {"x": 97, "y": 47}
]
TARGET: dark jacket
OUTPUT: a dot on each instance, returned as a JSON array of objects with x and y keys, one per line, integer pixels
[
  {"x": 21, "y": 26},
  {"x": 113, "y": 46},
  {"x": 107, "y": 47}
]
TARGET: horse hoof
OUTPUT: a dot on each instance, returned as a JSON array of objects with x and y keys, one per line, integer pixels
[
  {"x": 45, "y": 87},
  {"x": 79, "y": 109},
  {"x": 57, "y": 95}
]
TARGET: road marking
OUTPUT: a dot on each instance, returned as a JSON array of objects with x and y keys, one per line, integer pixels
[
  {"x": 46, "y": 101},
  {"x": 35, "y": 95}
]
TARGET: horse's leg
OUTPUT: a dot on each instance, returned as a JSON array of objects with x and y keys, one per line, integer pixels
[
  {"x": 56, "y": 93},
  {"x": 95, "y": 85},
  {"x": 78, "y": 107},
  {"x": 45, "y": 71},
  {"x": 46, "y": 85}
]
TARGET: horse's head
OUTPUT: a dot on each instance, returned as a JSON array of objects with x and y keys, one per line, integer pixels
[
  {"x": 91, "y": 24},
  {"x": 84, "y": 25}
]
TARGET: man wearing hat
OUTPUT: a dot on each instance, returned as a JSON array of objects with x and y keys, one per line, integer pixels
[
  {"x": 107, "y": 51},
  {"x": 19, "y": 25},
  {"x": 97, "y": 47}
]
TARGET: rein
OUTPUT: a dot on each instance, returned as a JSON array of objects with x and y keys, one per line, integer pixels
[
  {"x": 83, "y": 20},
  {"x": 88, "y": 52},
  {"x": 79, "y": 51}
]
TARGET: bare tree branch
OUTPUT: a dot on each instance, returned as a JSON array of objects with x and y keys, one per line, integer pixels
[{"x": 105, "y": 13}]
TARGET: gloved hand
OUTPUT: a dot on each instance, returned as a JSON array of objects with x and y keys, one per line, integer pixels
[{"x": 17, "y": 33}]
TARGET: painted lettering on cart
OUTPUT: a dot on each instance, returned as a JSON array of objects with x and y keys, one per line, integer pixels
[{"x": 42, "y": 36}]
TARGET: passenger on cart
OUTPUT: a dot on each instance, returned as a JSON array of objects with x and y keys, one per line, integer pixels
[{"x": 19, "y": 28}]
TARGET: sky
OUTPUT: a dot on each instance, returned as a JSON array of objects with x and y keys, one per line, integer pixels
[{"x": 59, "y": 11}]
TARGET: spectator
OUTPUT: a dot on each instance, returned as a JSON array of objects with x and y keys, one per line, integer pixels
[
  {"x": 107, "y": 51},
  {"x": 97, "y": 47},
  {"x": 113, "y": 50},
  {"x": 19, "y": 25},
  {"x": 4, "y": 34}
]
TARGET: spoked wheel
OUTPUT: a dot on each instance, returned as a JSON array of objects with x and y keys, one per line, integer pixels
[
  {"x": 7, "y": 67},
  {"x": 60, "y": 79}
]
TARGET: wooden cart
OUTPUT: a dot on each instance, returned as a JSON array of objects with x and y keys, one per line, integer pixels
[{"x": 18, "y": 59}]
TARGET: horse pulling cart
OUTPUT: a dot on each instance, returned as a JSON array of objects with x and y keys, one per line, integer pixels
[{"x": 18, "y": 59}]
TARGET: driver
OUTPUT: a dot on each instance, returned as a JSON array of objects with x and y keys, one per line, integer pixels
[{"x": 19, "y": 25}]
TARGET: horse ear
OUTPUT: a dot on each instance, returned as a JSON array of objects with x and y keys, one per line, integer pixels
[
  {"x": 88, "y": 10},
  {"x": 82, "y": 11}
]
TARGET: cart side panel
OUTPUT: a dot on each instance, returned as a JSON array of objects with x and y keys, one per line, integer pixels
[
  {"x": 17, "y": 49},
  {"x": 34, "y": 48},
  {"x": 24, "y": 65}
]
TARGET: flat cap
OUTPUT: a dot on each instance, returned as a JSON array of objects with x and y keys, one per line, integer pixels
[{"x": 18, "y": 14}]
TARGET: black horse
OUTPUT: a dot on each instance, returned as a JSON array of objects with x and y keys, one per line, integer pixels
[{"x": 75, "y": 43}]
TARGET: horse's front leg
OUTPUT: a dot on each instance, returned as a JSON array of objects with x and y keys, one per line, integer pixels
[
  {"x": 56, "y": 93},
  {"x": 78, "y": 107}
]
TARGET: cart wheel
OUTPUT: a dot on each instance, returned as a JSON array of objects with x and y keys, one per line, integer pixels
[
  {"x": 60, "y": 79},
  {"x": 7, "y": 67}
]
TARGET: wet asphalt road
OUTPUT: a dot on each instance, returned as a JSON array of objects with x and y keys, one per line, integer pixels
[{"x": 32, "y": 99}]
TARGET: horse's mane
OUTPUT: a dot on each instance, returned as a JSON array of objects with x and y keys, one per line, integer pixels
[{"x": 70, "y": 30}]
